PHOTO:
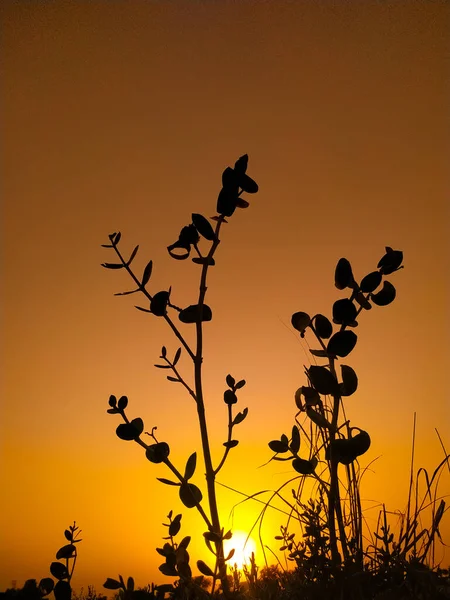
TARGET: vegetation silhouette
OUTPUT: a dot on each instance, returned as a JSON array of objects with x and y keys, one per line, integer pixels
[{"x": 337, "y": 556}]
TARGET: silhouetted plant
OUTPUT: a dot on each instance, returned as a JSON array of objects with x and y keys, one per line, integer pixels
[{"x": 235, "y": 181}]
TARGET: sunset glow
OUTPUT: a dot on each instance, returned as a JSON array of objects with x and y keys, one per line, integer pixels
[{"x": 243, "y": 546}]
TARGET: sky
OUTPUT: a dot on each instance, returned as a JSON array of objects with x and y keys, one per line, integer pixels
[{"x": 121, "y": 116}]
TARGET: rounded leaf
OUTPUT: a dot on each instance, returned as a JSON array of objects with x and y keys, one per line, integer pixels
[
  {"x": 46, "y": 586},
  {"x": 190, "y": 495},
  {"x": 349, "y": 383},
  {"x": 158, "y": 304},
  {"x": 112, "y": 401},
  {"x": 343, "y": 276},
  {"x": 240, "y": 166},
  {"x": 323, "y": 326},
  {"x": 344, "y": 312},
  {"x": 230, "y": 381},
  {"x": 191, "y": 314},
  {"x": 323, "y": 380},
  {"x": 59, "y": 570},
  {"x": 278, "y": 446},
  {"x": 248, "y": 184},
  {"x": 229, "y": 397},
  {"x": 300, "y": 321},
  {"x": 62, "y": 590},
  {"x": 157, "y": 453},
  {"x": 231, "y": 444},
  {"x": 65, "y": 552},
  {"x": 370, "y": 282},
  {"x": 174, "y": 527},
  {"x": 203, "y": 226},
  {"x": 341, "y": 450},
  {"x": 391, "y": 261},
  {"x": 385, "y": 296},
  {"x": 123, "y": 402},
  {"x": 361, "y": 442},
  {"x": 294, "y": 445},
  {"x": 302, "y": 466},
  {"x": 204, "y": 569},
  {"x": 227, "y": 202},
  {"x": 342, "y": 343},
  {"x": 190, "y": 466}
]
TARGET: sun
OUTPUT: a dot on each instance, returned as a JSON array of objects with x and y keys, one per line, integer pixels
[{"x": 243, "y": 549}]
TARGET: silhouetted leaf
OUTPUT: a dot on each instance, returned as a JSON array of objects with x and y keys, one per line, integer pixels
[
  {"x": 190, "y": 495},
  {"x": 361, "y": 442},
  {"x": 323, "y": 326},
  {"x": 163, "y": 352},
  {"x": 62, "y": 590},
  {"x": 127, "y": 293},
  {"x": 340, "y": 450},
  {"x": 111, "y": 584},
  {"x": 46, "y": 586},
  {"x": 344, "y": 312},
  {"x": 158, "y": 304},
  {"x": 227, "y": 202},
  {"x": 112, "y": 400},
  {"x": 230, "y": 381},
  {"x": 162, "y": 366},
  {"x": 58, "y": 570},
  {"x": 190, "y": 466},
  {"x": 302, "y": 466},
  {"x": 343, "y": 276},
  {"x": 204, "y": 569},
  {"x": 147, "y": 273},
  {"x": 279, "y": 446},
  {"x": 177, "y": 356},
  {"x": 385, "y": 296},
  {"x": 168, "y": 570},
  {"x": 248, "y": 184},
  {"x": 175, "y": 526},
  {"x": 319, "y": 353},
  {"x": 117, "y": 237},
  {"x": 133, "y": 254},
  {"x": 229, "y": 397},
  {"x": 294, "y": 445},
  {"x": 240, "y": 166},
  {"x": 130, "y": 431},
  {"x": 349, "y": 383},
  {"x": 240, "y": 384},
  {"x": 157, "y": 453},
  {"x": 230, "y": 554},
  {"x": 240, "y": 416},
  {"x": 362, "y": 301},
  {"x": 323, "y": 380},
  {"x": 371, "y": 281},
  {"x": 112, "y": 265},
  {"x": 112, "y": 236},
  {"x": 68, "y": 535},
  {"x": 65, "y": 552},
  {"x": 143, "y": 309},
  {"x": 318, "y": 418},
  {"x": 203, "y": 226},
  {"x": 123, "y": 403},
  {"x": 130, "y": 584},
  {"x": 185, "y": 542},
  {"x": 391, "y": 261},
  {"x": 175, "y": 379},
  {"x": 300, "y": 321},
  {"x": 342, "y": 343},
  {"x": 231, "y": 444},
  {"x": 112, "y": 411},
  {"x": 167, "y": 481},
  {"x": 310, "y": 394},
  {"x": 241, "y": 203},
  {"x": 204, "y": 260},
  {"x": 191, "y": 314}
]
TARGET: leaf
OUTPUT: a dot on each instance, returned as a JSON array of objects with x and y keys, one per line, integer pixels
[
  {"x": 130, "y": 584},
  {"x": 323, "y": 326},
  {"x": 175, "y": 527},
  {"x": 143, "y": 309},
  {"x": 62, "y": 591},
  {"x": 147, "y": 273},
  {"x": 112, "y": 400},
  {"x": 162, "y": 366},
  {"x": 302, "y": 466},
  {"x": 370, "y": 282},
  {"x": 391, "y": 261},
  {"x": 117, "y": 237},
  {"x": 349, "y": 383},
  {"x": 195, "y": 313},
  {"x": 65, "y": 552},
  {"x": 342, "y": 343},
  {"x": 231, "y": 444},
  {"x": 385, "y": 296},
  {"x": 361, "y": 442},
  {"x": 133, "y": 254},
  {"x": 344, "y": 312},
  {"x": 158, "y": 304},
  {"x": 241, "y": 203},
  {"x": 127, "y": 293},
  {"x": 230, "y": 381},
  {"x": 230, "y": 555},
  {"x": 362, "y": 301},
  {"x": 190, "y": 495},
  {"x": 46, "y": 586},
  {"x": 190, "y": 466},
  {"x": 203, "y": 226},
  {"x": 185, "y": 542},
  {"x": 294, "y": 445},
  {"x": 130, "y": 431},
  {"x": 68, "y": 535},
  {"x": 300, "y": 321},
  {"x": 167, "y": 481},
  {"x": 58, "y": 570},
  {"x": 240, "y": 384},
  {"x": 168, "y": 570},
  {"x": 319, "y": 353},
  {"x": 227, "y": 201},
  {"x": 278, "y": 446},
  {"x": 322, "y": 380},
  {"x": 112, "y": 265},
  {"x": 175, "y": 379},
  {"x": 343, "y": 276},
  {"x": 240, "y": 166},
  {"x": 122, "y": 403},
  {"x": 157, "y": 453},
  {"x": 229, "y": 397},
  {"x": 248, "y": 184},
  {"x": 204, "y": 569},
  {"x": 318, "y": 419},
  {"x": 177, "y": 356},
  {"x": 240, "y": 417}
]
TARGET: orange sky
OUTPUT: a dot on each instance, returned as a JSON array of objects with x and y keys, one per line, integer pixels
[{"x": 122, "y": 116}]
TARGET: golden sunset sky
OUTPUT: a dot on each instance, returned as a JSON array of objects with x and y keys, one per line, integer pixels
[{"x": 122, "y": 116}]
